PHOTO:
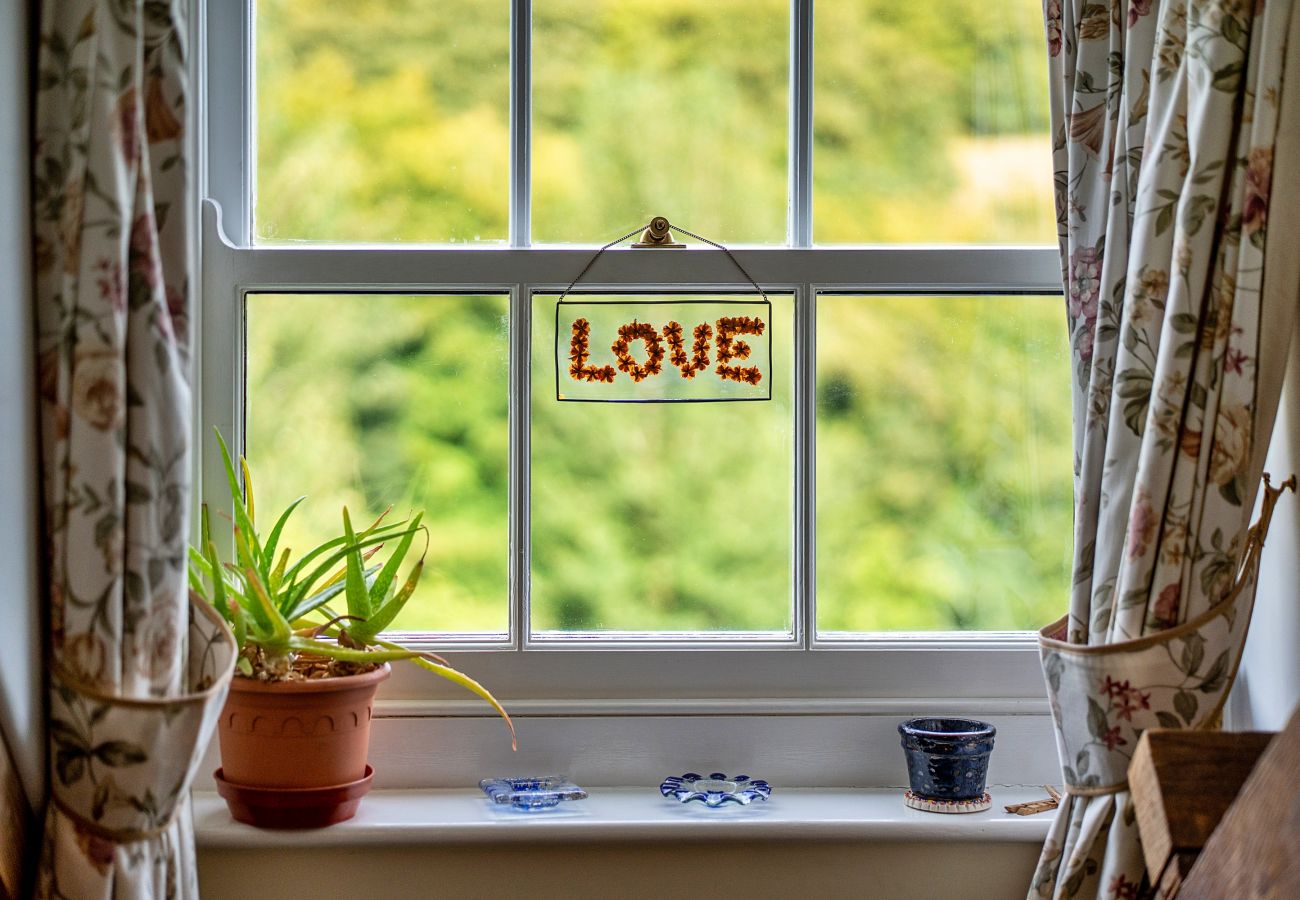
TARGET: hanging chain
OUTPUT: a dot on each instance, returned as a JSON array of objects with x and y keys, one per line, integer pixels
[
  {"x": 591, "y": 262},
  {"x": 733, "y": 259}
]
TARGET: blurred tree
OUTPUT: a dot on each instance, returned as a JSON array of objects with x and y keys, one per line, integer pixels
[{"x": 943, "y": 438}]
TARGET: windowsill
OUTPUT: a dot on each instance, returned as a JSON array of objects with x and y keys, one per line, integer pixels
[{"x": 413, "y": 817}]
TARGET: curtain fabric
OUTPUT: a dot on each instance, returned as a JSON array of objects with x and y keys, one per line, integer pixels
[
  {"x": 138, "y": 676},
  {"x": 1165, "y": 119}
]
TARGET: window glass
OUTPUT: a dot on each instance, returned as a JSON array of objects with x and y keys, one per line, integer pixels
[
  {"x": 382, "y": 121},
  {"x": 930, "y": 123},
  {"x": 676, "y": 109},
  {"x": 943, "y": 463},
  {"x": 665, "y": 517},
  {"x": 390, "y": 400},
  {"x": 942, "y": 445}
]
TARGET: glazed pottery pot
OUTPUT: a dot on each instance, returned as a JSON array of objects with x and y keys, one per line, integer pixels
[
  {"x": 299, "y": 745},
  {"x": 947, "y": 759}
]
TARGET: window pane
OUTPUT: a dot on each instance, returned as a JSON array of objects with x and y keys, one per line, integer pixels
[
  {"x": 943, "y": 463},
  {"x": 674, "y": 109},
  {"x": 388, "y": 400},
  {"x": 661, "y": 517},
  {"x": 382, "y": 121},
  {"x": 930, "y": 123}
]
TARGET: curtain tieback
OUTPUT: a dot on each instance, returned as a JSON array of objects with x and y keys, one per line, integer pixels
[
  {"x": 121, "y": 765},
  {"x": 1103, "y": 696}
]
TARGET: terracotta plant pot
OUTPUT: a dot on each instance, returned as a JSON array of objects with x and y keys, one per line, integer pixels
[{"x": 299, "y": 744}]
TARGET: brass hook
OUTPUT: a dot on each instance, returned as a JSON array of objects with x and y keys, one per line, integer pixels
[{"x": 658, "y": 236}]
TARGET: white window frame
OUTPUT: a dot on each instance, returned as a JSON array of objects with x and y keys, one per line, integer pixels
[{"x": 591, "y": 675}]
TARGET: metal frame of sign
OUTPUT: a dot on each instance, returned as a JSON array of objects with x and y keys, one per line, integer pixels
[{"x": 765, "y": 303}]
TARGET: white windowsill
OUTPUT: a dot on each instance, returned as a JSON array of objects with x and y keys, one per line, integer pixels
[{"x": 412, "y": 817}]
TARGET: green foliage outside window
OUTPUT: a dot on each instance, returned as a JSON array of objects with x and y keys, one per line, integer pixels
[{"x": 943, "y": 432}]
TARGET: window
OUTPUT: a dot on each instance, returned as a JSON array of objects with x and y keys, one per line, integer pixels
[
  {"x": 404, "y": 189},
  {"x": 344, "y": 414}
]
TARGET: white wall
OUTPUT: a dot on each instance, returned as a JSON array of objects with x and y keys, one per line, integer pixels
[
  {"x": 1268, "y": 686},
  {"x": 20, "y": 674}
]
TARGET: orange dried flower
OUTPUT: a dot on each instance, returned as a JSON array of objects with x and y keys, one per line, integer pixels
[
  {"x": 729, "y": 327},
  {"x": 699, "y": 359},
  {"x": 676, "y": 346},
  {"x": 638, "y": 331},
  {"x": 700, "y": 349},
  {"x": 579, "y": 353}
]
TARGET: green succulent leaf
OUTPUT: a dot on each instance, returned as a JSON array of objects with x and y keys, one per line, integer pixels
[
  {"x": 248, "y": 488},
  {"x": 195, "y": 578},
  {"x": 379, "y": 591},
  {"x": 280, "y": 632},
  {"x": 199, "y": 562},
  {"x": 273, "y": 540},
  {"x": 218, "y": 583},
  {"x": 372, "y": 627},
  {"x": 239, "y": 625},
  {"x": 357, "y": 594},
  {"x": 277, "y": 574},
  {"x": 350, "y": 654},
  {"x": 313, "y": 603},
  {"x": 302, "y": 587},
  {"x": 242, "y": 518}
]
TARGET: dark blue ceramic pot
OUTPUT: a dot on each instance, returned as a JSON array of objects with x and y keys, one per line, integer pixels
[{"x": 947, "y": 759}]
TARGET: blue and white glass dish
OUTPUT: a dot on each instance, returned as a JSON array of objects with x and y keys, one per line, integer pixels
[
  {"x": 530, "y": 794},
  {"x": 715, "y": 790}
]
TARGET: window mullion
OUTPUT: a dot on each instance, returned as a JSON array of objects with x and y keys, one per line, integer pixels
[
  {"x": 801, "y": 102},
  {"x": 805, "y": 430},
  {"x": 521, "y": 105},
  {"x": 521, "y": 299}
]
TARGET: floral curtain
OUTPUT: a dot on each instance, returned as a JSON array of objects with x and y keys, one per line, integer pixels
[
  {"x": 137, "y": 674},
  {"x": 1166, "y": 122}
]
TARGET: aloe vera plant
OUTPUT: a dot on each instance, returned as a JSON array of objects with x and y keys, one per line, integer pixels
[{"x": 280, "y": 609}]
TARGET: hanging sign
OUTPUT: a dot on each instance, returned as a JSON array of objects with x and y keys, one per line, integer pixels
[{"x": 663, "y": 351}]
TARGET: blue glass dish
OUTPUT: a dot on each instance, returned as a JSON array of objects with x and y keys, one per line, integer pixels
[
  {"x": 531, "y": 793},
  {"x": 716, "y": 789}
]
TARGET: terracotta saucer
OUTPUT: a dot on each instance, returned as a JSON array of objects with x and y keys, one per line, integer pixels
[{"x": 293, "y": 807}]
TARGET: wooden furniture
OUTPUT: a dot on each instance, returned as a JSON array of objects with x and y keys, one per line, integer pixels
[
  {"x": 13, "y": 827},
  {"x": 1219, "y": 813},
  {"x": 1182, "y": 784},
  {"x": 1255, "y": 851}
]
